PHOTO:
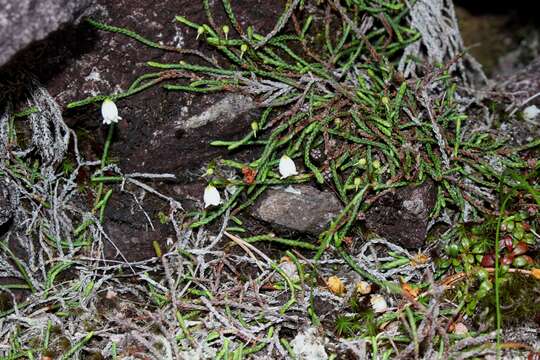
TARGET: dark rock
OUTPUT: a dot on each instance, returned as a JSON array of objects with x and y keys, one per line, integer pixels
[
  {"x": 25, "y": 21},
  {"x": 133, "y": 230},
  {"x": 300, "y": 208},
  {"x": 402, "y": 216}
]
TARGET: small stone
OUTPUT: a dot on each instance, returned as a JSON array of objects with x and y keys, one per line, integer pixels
[
  {"x": 402, "y": 216},
  {"x": 110, "y": 295},
  {"x": 304, "y": 209}
]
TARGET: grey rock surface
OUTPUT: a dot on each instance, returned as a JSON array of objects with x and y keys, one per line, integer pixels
[
  {"x": 229, "y": 107},
  {"x": 402, "y": 216},
  {"x": 300, "y": 208},
  {"x": 24, "y": 21}
]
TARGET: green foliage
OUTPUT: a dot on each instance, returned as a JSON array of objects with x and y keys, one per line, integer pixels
[
  {"x": 332, "y": 98},
  {"x": 517, "y": 295},
  {"x": 346, "y": 325},
  {"x": 385, "y": 133},
  {"x": 472, "y": 246},
  {"x": 163, "y": 218}
]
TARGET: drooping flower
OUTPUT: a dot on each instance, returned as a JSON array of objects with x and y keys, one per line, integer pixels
[
  {"x": 211, "y": 196},
  {"x": 287, "y": 167},
  {"x": 109, "y": 111}
]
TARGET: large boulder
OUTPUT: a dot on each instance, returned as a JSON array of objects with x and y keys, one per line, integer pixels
[{"x": 25, "y": 21}]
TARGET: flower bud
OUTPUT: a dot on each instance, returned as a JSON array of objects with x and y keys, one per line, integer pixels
[
  {"x": 200, "y": 31},
  {"x": 225, "y": 29},
  {"x": 243, "y": 49}
]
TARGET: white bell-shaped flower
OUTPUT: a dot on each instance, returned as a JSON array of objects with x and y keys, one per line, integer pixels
[
  {"x": 211, "y": 196},
  {"x": 109, "y": 111},
  {"x": 287, "y": 167}
]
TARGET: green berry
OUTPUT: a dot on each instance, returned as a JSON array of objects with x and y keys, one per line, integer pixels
[
  {"x": 452, "y": 250},
  {"x": 482, "y": 274},
  {"x": 486, "y": 285}
]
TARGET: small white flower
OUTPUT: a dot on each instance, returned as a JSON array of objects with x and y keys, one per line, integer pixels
[
  {"x": 109, "y": 111},
  {"x": 287, "y": 167},
  {"x": 378, "y": 304},
  {"x": 211, "y": 196}
]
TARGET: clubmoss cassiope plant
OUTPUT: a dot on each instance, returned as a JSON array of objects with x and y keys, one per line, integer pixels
[
  {"x": 338, "y": 93},
  {"x": 333, "y": 99}
]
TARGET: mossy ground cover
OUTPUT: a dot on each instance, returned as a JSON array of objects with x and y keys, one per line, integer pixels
[{"x": 331, "y": 96}]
